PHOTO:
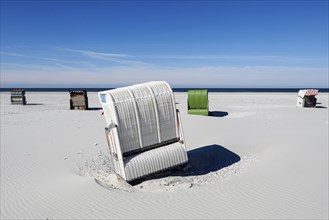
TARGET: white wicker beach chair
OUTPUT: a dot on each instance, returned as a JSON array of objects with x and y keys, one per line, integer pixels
[
  {"x": 144, "y": 130},
  {"x": 306, "y": 98}
]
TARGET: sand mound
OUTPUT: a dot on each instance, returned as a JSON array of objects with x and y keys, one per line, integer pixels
[{"x": 206, "y": 165}]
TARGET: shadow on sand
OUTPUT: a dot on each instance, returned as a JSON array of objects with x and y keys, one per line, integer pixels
[
  {"x": 318, "y": 105},
  {"x": 34, "y": 104},
  {"x": 202, "y": 161},
  {"x": 208, "y": 159},
  {"x": 94, "y": 109},
  {"x": 218, "y": 114}
]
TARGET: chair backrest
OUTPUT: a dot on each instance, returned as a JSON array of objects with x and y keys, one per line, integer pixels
[
  {"x": 145, "y": 115},
  {"x": 198, "y": 99}
]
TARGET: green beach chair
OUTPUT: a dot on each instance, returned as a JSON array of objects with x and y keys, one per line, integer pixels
[{"x": 197, "y": 102}]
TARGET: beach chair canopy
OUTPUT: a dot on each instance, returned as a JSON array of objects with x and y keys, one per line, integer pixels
[
  {"x": 197, "y": 102},
  {"x": 144, "y": 130},
  {"x": 306, "y": 98},
  {"x": 307, "y": 92},
  {"x": 78, "y": 99}
]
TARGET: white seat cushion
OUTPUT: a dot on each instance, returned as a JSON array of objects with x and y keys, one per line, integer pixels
[{"x": 154, "y": 160}]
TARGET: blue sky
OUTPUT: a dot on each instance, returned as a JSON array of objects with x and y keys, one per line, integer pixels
[{"x": 187, "y": 43}]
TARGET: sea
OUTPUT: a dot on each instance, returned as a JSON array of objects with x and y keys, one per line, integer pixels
[{"x": 246, "y": 90}]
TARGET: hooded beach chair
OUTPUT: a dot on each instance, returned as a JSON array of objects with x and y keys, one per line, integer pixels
[
  {"x": 306, "y": 98},
  {"x": 18, "y": 97},
  {"x": 78, "y": 99},
  {"x": 144, "y": 130},
  {"x": 197, "y": 102}
]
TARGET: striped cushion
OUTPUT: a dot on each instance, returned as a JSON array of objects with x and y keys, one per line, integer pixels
[{"x": 154, "y": 160}]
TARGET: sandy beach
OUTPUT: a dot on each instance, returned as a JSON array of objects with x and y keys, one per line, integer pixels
[{"x": 257, "y": 156}]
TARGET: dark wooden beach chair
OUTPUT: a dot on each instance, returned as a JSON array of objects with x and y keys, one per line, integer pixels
[{"x": 78, "y": 99}]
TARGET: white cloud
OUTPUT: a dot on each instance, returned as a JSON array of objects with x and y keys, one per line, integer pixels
[
  {"x": 113, "y": 57},
  {"x": 212, "y": 57},
  {"x": 92, "y": 53},
  {"x": 64, "y": 66},
  {"x": 59, "y": 72},
  {"x": 88, "y": 64},
  {"x": 252, "y": 76},
  {"x": 247, "y": 58},
  {"x": 27, "y": 56}
]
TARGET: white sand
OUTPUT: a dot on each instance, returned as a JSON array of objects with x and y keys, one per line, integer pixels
[{"x": 260, "y": 158}]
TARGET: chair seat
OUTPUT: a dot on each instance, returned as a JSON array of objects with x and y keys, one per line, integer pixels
[
  {"x": 198, "y": 111},
  {"x": 154, "y": 160}
]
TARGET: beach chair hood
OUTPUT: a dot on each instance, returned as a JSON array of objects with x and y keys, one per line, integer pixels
[{"x": 307, "y": 92}]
